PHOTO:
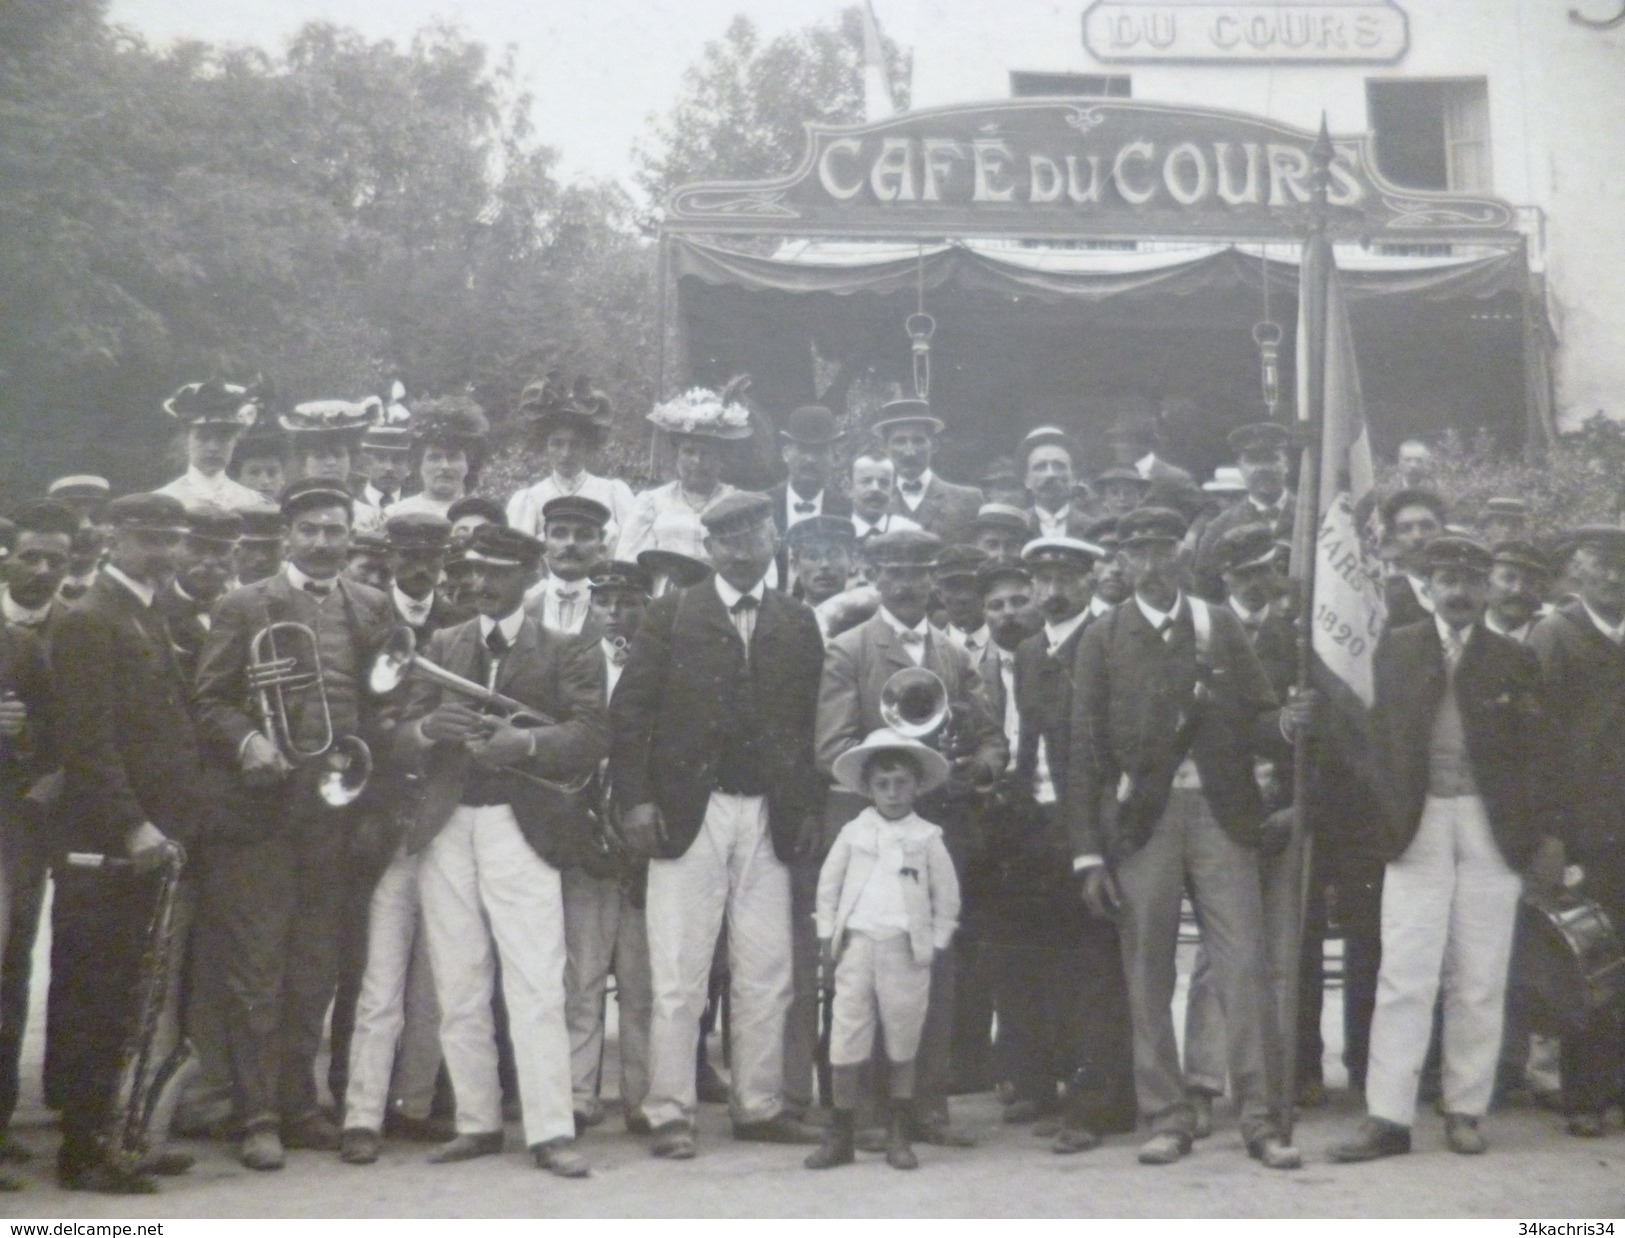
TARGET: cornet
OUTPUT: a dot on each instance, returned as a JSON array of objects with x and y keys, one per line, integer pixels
[
  {"x": 345, "y": 762},
  {"x": 399, "y": 662}
]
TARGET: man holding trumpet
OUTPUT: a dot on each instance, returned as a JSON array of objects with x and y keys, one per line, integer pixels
[
  {"x": 500, "y": 816},
  {"x": 281, "y": 700}
]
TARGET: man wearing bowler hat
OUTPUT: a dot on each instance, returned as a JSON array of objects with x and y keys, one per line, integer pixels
[
  {"x": 1170, "y": 709},
  {"x": 909, "y": 432},
  {"x": 1458, "y": 725},
  {"x": 1261, "y": 455},
  {"x": 216, "y": 415},
  {"x": 807, "y": 446},
  {"x": 711, "y": 759}
]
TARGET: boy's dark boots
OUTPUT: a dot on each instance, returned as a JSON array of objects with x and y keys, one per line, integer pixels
[
  {"x": 838, "y": 1147},
  {"x": 899, "y": 1152}
]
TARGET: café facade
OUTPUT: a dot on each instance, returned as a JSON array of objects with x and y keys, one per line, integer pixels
[{"x": 1120, "y": 233}]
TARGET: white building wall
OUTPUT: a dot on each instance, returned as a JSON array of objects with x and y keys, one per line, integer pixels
[{"x": 1557, "y": 126}]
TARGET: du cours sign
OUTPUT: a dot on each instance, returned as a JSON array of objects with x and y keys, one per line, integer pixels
[
  {"x": 1061, "y": 169},
  {"x": 1325, "y": 32}
]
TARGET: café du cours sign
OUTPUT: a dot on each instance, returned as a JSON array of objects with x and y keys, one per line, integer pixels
[{"x": 1052, "y": 169}]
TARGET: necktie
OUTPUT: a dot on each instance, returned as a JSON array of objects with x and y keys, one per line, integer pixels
[
  {"x": 805, "y": 509},
  {"x": 567, "y": 607},
  {"x": 318, "y": 589},
  {"x": 744, "y": 617},
  {"x": 911, "y": 487},
  {"x": 496, "y": 643},
  {"x": 1454, "y": 643}
]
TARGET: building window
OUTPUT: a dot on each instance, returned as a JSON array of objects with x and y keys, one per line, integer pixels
[
  {"x": 1432, "y": 135},
  {"x": 1069, "y": 85}
]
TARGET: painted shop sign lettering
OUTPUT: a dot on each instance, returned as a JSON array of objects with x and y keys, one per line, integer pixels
[
  {"x": 1374, "y": 31},
  {"x": 1044, "y": 168}
]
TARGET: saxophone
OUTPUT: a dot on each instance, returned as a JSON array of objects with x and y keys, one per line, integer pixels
[{"x": 125, "y": 1137}]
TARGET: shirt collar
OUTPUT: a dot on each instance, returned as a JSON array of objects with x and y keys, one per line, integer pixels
[
  {"x": 1142, "y": 466},
  {"x": 203, "y": 481},
  {"x": 1055, "y": 519},
  {"x": 1419, "y": 590},
  {"x": 21, "y": 616},
  {"x": 1060, "y": 633},
  {"x": 1278, "y": 506},
  {"x": 863, "y": 528},
  {"x": 1155, "y": 617},
  {"x": 509, "y": 624},
  {"x": 981, "y": 637},
  {"x": 924, "y": 479},
  {"x": 299, "y": 579},
  {"x": 1519, "y": 633},
  {"x": 372, "y": 496},
  {"x": 1614, "y": 632},
  {"x": 144, "y": 593},
  {"x": 1252, "y": 618},
  {"x": 898, "y": 626},
  {"x": 1099, "y": 606},
  {"x": 1449, "y": 635},
  {"x": 730, "y": 596}
]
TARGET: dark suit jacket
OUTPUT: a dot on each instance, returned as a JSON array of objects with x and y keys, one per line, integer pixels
[
  {"x": 1400, "y": 600},
  {"x": 1503, "y": 717},
  {"x": 1209, "y": 582},
  {"x": 1131, "y": 689},
  {"x": 1584, "y": 675},
  {"x": 835, "y": 503},
  {"x": 129, "y": 751},
  {"x": 667, "y": 724},
  {"x": 23, "y": 671},
  {"x": 856, "y": 667},
  {"x": 946, "y": 509},
  {"x": 1044, "y": 701},
  {"x": 559, "y": 676},
  {"x": 186, "y": 630}
]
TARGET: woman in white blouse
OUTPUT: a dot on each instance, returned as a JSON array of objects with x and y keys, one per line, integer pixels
[
  {"x": 570, "y": 427},
  {"x": 700, "y": 423},
  {"x": 448, "y": 449}
]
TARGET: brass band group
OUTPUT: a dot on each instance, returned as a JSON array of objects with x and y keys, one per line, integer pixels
[{"x": 895, "y": 785}]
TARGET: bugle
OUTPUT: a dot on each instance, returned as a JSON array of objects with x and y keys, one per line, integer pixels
[
  {"x": 399, "y": 662},
  {"x": 276, "y": 674}
]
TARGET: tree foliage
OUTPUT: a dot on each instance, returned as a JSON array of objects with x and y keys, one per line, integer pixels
[{"x": 744, "y": 105}]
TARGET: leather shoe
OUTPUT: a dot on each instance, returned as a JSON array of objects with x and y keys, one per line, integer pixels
[
  {"x": 636, "y": 1123},
  {"x": 1164, "y": 1148},
  {"x": 418, "y": 1130},
  {"x": 467, "y": 1147},
  {"x": 1312, "y": 1095},
  {"x": 673, "y": 1141},
  {"x": 314, "y": 1131},
  {"x": 358, "y": 1146},
  {"x": 1202, "y": 1109},
  {"x": 262, "y": 1149},
  {"x": 1586, "y": 1125},
  {"x": 108, "y": 1181},
  {"x": 1072, "y": 1139},
  {"x": 778, "y": 1129},
  {"x": 1375, "y": 1139},
  {"x": 936, "y": 1131},
  {"x": 1273, "y": 1152},
  {"x": 560, "y": 1158},
  {"x": 1462, "y": 1134}
]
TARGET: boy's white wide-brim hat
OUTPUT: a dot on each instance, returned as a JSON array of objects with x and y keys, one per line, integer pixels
[{"x": 849, "y": 765}]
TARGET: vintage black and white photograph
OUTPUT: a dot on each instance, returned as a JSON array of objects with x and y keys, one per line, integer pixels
[{"x": 912, "y": 609}]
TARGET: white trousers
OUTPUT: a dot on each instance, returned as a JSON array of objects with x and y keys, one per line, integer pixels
[
  {"x": 877, "y": 981},
  {"x": 485, "y": 891},
  {"x": 1448, "y": 909},
  {"x": 396, "y": 1008},
  {"x": 729, "y": 869},
  {"x": 604, "y": 932}
]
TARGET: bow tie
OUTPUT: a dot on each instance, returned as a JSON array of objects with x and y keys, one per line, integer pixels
[
  {"x": 911, "y": 487},
  {"x": 911, "y": 637},
  {"x": 745, "y": 604},
  {"x": 567, "y": 595},
  {"x": 805, "y": 509},
  {"x": 972, "y": 644},
  {"x": 617, "y": 657},
  {"x": 317, "y": 589},
  {"x": 1007, "y": 660}
]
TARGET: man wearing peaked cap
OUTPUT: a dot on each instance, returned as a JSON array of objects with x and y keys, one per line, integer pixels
[
  {"x": 132, "y": 788},
  {"x": 1121, "y": 489},
  {"x": 573, "y": 527},
  {"x": 216, "y": 415},
  {"x": 909, "y": 431},
  {"x": 1262, "y": 456},
  {"x": 204, "y": 571},
  {"x": 956, "y": 572},
  {"x": 1457, "y": 726},
  {"x": 856, "y": 667},
  {"x": 417, "y": 544},
  {"x": 1111, "y": 581},
  {"x": 259, "y": 548},
  {"x": 1163, "y": 679},
  {"x": 491, "y": 847},
  {"x": 281, "y": 896},
  {"x": 1581, "y": 647},
  {"x": 368, "y": 562},
  {"x": 86, "y": 493},
  {"x": 821, "y": 557},
  {"x": 1049, "y": 460},
  {"x": 1519, "y": 576},
  {"x": 1503, "y": 520},
  {"x": 712, "y": 726}
]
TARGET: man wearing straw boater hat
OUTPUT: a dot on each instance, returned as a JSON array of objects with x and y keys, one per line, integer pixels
[
  {"x": 385, "y": 464},
  {"x": 909, "y": 431},
  {"x": 216, "y": 415}
]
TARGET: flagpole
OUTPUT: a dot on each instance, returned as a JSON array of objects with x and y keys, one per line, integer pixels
[{"x": 1311, "y": 425}]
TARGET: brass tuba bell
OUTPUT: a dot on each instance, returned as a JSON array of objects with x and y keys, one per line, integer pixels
[{"x": 914, "y": 702}]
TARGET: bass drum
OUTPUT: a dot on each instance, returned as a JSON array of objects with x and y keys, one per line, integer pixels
[{"x": 1567, "y": 961}]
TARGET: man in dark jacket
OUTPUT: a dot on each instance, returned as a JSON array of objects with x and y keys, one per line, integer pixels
[
  {"x": 1581, "y": 647},
  {"x": 131, "y": 789},
  {"x": 1170, "y": 709},
  {"x": 1458, "y": 726},
  {"x": 711, "y": 759}
]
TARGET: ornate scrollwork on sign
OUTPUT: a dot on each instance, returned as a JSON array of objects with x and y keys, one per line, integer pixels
[
  {"x": 1431, "y": 213},
  {"x": 1083, "y": 119},
  {"x": 757, "y": 203}
]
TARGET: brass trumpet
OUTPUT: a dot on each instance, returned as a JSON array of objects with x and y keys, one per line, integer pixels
[
  {"x": 274, "y": 675},
  {"x": 399, "y": 662}
]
